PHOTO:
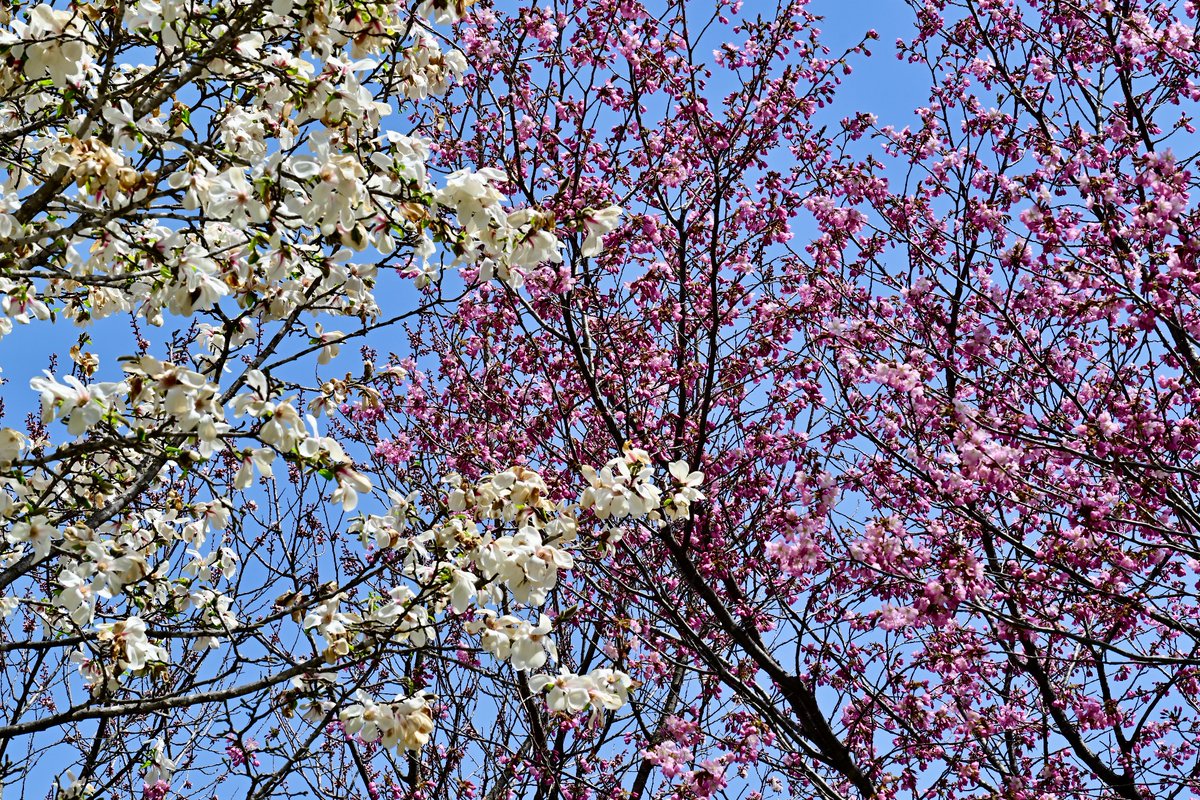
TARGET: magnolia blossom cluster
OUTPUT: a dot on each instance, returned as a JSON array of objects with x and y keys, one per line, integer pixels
[
  {"x": 624, "y": 487},
  {"x": 405, "y": 722},
  {"x": 131, "y": 648},
  {"x": 401, "y": 620},
  {"x": 267, "y": 221},
  {"x": 428, "y": 70},
  {"x": 112, "y": 204},
  {"x": 600, "y": 690},
  {"x": 508, "y": 244},
  {"x": 55, "y": 44},
  {"x": 513, "y": 639},
  {"x": 504, "y": 538},
  {"x": 284, "y": 431},
  {"x": 97, "y": 565}
]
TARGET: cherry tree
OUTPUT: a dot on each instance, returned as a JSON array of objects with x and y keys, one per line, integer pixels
[{"x": 921, "y": 398}]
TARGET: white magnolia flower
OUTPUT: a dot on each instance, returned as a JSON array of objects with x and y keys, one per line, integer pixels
[
  {"x": 414, "y": 722},
  {"x": 260, "y": 459},
  {"x": 256, "y": 402},
  {"x": 461, "y": 590},
  {"x": 472, "y": 195},
  {"x": 232, "y": 197},
  {"x": 161, "y": 768},
  {"x": 37, "y": 532},
  {"x": 11, "y": 444},
  {"x": 443, "y": 12},
  {"x": 686, "y": 490},
  {"x": 615, "y": 491},
  {"x": 351, "y": 483},
  {"x": 8, "y": 605},
  {"x": 409, "y": 619},
  {"x": 217, "y": 615},
  {"x": 81, "y": 406},
  {"x": 74, "y": 788},
  {"x": 131, "y": 648},
  {"x": 53, "y": 44},
  {"x": 331, "y": 341},
  {"x": 365, "y": 718},
  {"x": 596, "y": 223},
  {"x": 565, "y": 692}
]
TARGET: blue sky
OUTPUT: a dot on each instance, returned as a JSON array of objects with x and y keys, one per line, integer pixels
[{"x": 881, "y": 84}]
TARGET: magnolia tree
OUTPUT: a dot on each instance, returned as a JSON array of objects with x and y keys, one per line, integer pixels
[
  {"x": 587, "y": 399},
  {"x": 203, "y": 593}
]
